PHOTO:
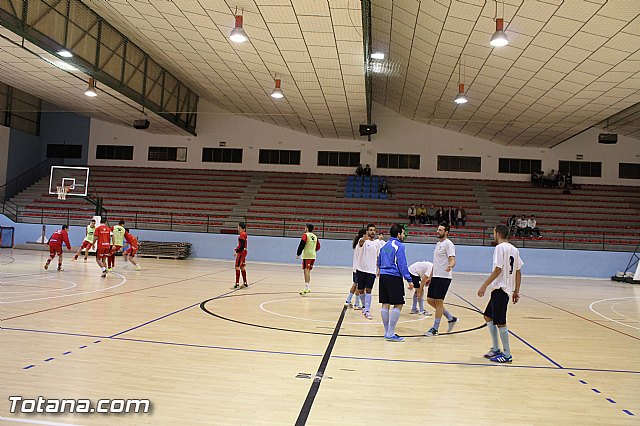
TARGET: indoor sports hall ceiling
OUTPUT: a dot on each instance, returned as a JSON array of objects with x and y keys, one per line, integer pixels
[
  {"x": 569, "y": 65},
  {"x": 314, "y": 46}
]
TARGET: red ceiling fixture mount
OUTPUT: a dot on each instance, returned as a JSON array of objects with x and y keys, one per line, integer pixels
[
  {"x": 461, "y": 98},
  {"x": 277, "y": 91}
]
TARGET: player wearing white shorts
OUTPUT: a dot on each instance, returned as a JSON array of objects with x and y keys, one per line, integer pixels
[{"x": 504, "y": 283}]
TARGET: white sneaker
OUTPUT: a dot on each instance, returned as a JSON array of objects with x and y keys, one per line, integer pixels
[
  {"x": 415, "y": 311},
  {"x": 426, "y": 313}
]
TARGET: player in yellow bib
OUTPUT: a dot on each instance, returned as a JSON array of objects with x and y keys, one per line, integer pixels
[
  {"x": 308, "y": 247},
  {"x": 118, "y": 241},
  {"x": 88, "y": 242}
]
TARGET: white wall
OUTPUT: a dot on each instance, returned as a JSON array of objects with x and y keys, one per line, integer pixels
[{"x": 396, "y": 134}]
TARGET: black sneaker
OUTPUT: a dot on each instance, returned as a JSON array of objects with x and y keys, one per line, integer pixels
[
  {"x": 245, "y": 285},
  {"x": 452, "y": 323}
]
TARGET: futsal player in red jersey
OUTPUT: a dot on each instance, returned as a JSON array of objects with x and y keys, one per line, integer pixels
[
  {"x": 241, "y": 255},
  {"x": 103, "y": 247},
  {"x": 130, "y": 253},
  {"x": 55, "y": 246}
]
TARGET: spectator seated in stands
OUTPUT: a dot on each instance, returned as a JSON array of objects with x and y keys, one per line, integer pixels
[
  {"x": 522, "y": 227},
  {"x": 421, "y": 214},
  {"x": 536, "y": 179},
  {"x": 411, "y": 214},
  {"x": 431, "y": 214},
  {"x": 384, "y": 188},
  {"x": 532, "y": 227},
  {"x": 367, "y": 170},
  {"x": 359, "y": 170},
  {"x": 440, "y": 214},
  {"x": 460, "y": 216},
  {"x": 512, "y": 225}
]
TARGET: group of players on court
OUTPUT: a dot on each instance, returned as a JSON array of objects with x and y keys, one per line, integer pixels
[
  {"x": 107, "y": 241},
  {"x": 374, "y": 258}
]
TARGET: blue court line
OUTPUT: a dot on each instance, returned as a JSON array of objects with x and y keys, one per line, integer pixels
[
  {"x": 595, "y": 390},
  {"x": 66, "y": 353},
  {"x": 97, "y": 341},
  {"x": 517, "y": 337},
  {"x": 628, "y": 412},
  {"x": 583, "y": 382},
  {"x": 572, "y": 375},
  {"x": 28, "y": 367},
  {"x": 82, "y": 347},
  {"x": 610, "y": 400},
  {"x": 596, "y": 370},
  {"x": 49, "y": 359}
]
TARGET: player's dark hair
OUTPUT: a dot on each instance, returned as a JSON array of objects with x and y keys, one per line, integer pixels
[
  {"x": 65, "y": 226},
  {"x": 357, "y": 237},
  {"x": 503, "y": 231},
  {"x": 309, "y": 227},
  {"x": 371, "y": 225},
  {"x": 242, "y": 225},
  {"x": 126, "y": 229},
  {"x": 396, "y": 230},
  {"x": 121, "y": 222},
  {"x": 445, "y": 225},
  {"x": 93, "y": 220}
]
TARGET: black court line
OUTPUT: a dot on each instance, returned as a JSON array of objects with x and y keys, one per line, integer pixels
[
  {"x": 315, "y": 386},
  {"x": 204, "y": 307}
]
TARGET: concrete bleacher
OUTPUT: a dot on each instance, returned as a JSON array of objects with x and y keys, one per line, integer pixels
[{"x": 281, "y": 203}]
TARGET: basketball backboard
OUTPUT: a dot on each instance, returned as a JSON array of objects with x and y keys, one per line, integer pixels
[{"x": 75, "y": 178}]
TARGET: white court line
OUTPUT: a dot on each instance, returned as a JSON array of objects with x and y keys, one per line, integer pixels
[
  {"x": 613, "y": 308},
  {"x": 422, "y": 317},
  {"x": 73, "y": 284},
  {"x": 36, "y": 422},
  {"x": 124, "y": 280},
  {"x": 606, "y": 317}
]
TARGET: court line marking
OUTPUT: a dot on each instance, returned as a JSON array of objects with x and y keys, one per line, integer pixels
[
  {"x": 50, "y": 289},
  {"x": 124, "y": 280},
  {"x": 517, "y": 337},
  {"x": 36, "y": 422},
  {"x": 611, "y": 319},
  {"x": 622, "y": 315},
  {"x": 179, "y": 310},
  {"x": 194, "y": 345},
  {"x": 420, "y": 318},
  {"x": 580, "y": 316},
  {"x": 112, "y": 295}
]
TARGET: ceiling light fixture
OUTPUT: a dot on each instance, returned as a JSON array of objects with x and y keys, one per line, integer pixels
[
  {"x": 377, "y": 55},
  {"x": 376, "y": 67},
  {"x": 65, "y": 53},
  {"x": 499, "y": 38},
  {"x": 461, "y": 98},
  {"x": 277, "y": 91},
  {"x": 237, "y": 33},
  {"x": 91, "y": 90}
]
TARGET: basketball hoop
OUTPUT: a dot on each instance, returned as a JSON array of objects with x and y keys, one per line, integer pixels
[{"x": 62, "y": 192}]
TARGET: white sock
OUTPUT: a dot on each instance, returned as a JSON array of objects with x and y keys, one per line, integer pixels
[
  {"x": 384, "y": 313},
  {"x": 394, "y": 316}
]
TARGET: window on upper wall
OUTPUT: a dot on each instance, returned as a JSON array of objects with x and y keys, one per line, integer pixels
[
  {"x": 58, "y": 150},
  {"x": 162, "y": 153},
  {"x": 278, "y": 156},
  {"x": 454, "y": 163},
  {"x": 338, "y": 159},
  {"x": 114, "y": 152},
  {"x": 398, "y": 161},
  {"x": 222, "y": 155},
  {"x": 581, "y": 168},
  {"x": 629, "y": 170},
  {"x": 519, "y": 165}
]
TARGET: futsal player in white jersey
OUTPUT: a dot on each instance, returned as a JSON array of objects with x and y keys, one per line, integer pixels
[
  {"x": 504, "y": 283},
  {"x": 420, "y": 277},
  {"x": 444, "y": 260},
  {"x": 367, "y": 267},
  {"x": 354, "y": 287}
]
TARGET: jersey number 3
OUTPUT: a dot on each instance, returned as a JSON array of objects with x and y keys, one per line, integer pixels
[{"x": 511, "y": 262}]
